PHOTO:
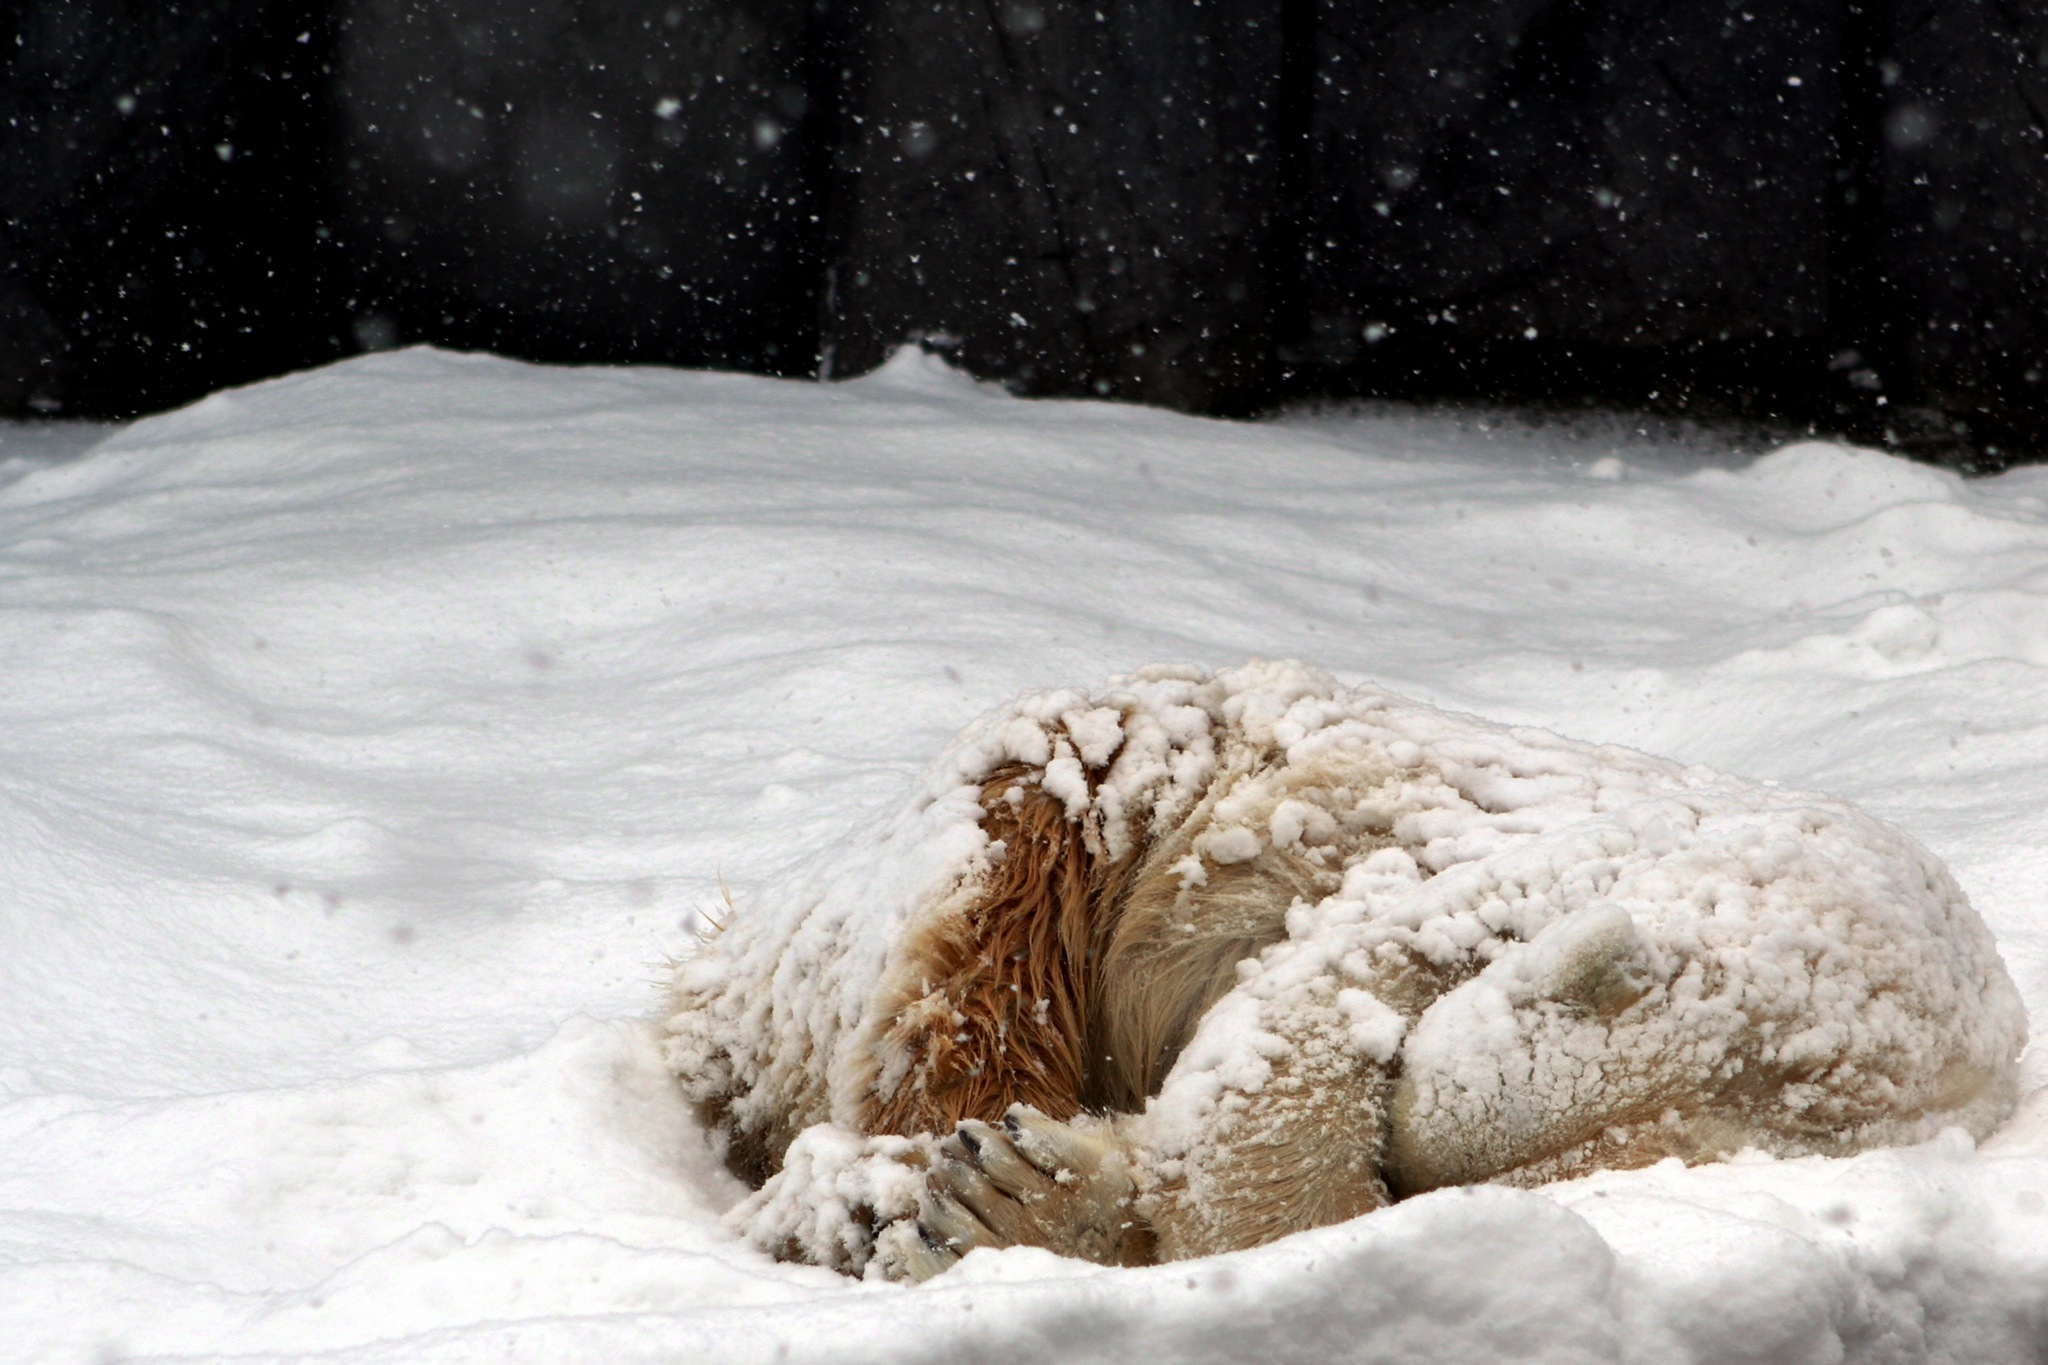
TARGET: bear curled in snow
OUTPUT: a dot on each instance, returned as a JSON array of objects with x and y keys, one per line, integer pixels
[{"x": 1200, "y": 960}]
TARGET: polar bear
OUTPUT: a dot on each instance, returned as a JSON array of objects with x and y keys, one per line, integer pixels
[{"x": 1198, "y": 960}]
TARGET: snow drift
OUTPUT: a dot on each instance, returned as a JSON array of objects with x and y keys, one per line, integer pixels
[{"x": 372, "y": 739}]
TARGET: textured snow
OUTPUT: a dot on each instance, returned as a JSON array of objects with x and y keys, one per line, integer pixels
[{"x": 373, "y": 739}]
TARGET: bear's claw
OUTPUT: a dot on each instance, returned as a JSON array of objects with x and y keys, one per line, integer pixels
[{"x": 1032, "y": 1182}]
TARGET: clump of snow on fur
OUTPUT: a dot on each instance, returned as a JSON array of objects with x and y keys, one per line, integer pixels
[
  {"x": 835, "y": 1188},
  {"x": 1375, "y": 1030},
  {"x": 771, "y": 1010}
]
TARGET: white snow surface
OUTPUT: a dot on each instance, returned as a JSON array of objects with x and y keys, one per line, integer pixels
[{"x": 371, "y": 740}]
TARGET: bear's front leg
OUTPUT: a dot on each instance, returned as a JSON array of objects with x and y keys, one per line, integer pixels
[{"x": 1027, "y": 1181}]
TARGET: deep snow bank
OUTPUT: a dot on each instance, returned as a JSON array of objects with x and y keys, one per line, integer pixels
[{"x": 371, "y": 738}]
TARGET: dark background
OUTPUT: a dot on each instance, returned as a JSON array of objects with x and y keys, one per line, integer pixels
[{"x": 1812, "y": 212}]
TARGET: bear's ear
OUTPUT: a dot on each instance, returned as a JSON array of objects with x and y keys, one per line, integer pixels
[
  {"x": 989, "y": 1002},
  {"x": 1591, "y": 959}
]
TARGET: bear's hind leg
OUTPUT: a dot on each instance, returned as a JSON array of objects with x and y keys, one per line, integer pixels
[{"x": 1302, "y": 1152}]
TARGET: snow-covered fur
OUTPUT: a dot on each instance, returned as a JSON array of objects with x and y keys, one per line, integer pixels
[{"x": 1199, "y": 960}]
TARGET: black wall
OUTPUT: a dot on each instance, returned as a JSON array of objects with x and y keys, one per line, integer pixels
[
  {"x": 1535, "y": 197},
  {"x": 1815, "y": 211},
  {"x": 160, "y": 183},
  {"x": 618, "y": 181},
  {"x": 1081, "y": 199}
]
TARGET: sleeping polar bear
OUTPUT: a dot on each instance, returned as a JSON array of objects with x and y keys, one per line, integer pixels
[{"x": 1200, "y": 960}]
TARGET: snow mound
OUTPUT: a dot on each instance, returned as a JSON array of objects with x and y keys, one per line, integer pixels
[{"x": 366, "y": 730}]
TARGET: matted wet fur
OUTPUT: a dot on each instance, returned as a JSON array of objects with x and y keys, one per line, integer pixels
[
  {"x": 998, "y": 997},
  {"x": 1027, "y": 1030}
]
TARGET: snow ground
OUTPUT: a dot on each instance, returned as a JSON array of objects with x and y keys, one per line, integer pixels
[
  {"x": 28, "y": 446},
  {"x": 370, "y": 739}
]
